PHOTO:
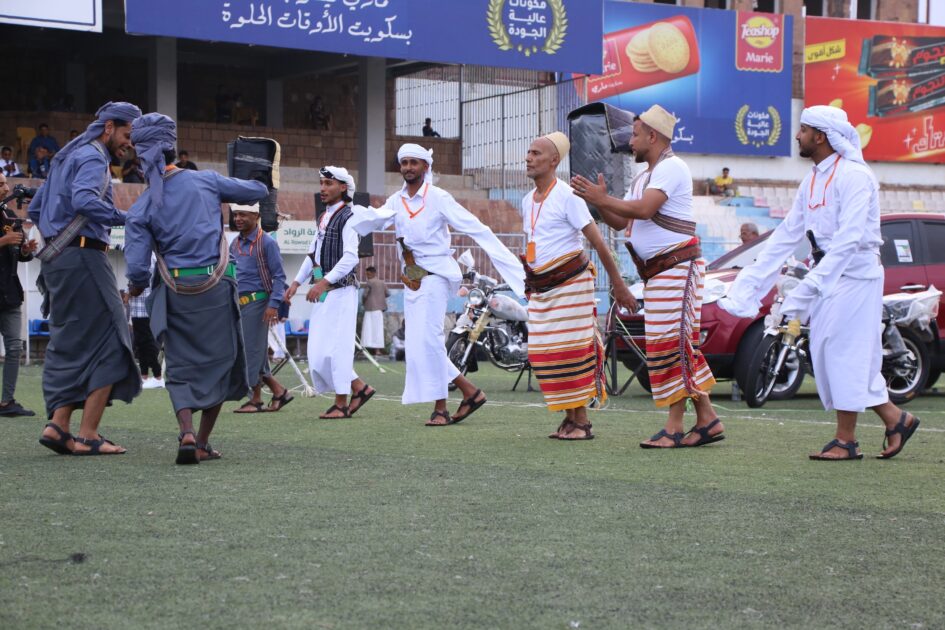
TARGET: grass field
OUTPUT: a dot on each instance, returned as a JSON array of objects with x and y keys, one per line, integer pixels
[{"x": 379, "y": 522}]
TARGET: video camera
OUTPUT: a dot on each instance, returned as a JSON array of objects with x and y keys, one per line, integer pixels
[{"x": 11, "y": 222}]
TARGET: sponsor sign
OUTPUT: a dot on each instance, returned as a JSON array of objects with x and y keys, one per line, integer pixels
[
  {"x": 553, "y": 35},
  {"x": 723, "y": 74},
  {"x": 889, "y": 77}
]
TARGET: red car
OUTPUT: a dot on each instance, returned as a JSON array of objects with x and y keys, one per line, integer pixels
[{"x": 913, "y": 254}]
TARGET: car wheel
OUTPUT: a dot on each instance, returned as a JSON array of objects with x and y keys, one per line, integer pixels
[
  {"x": 934, "y": 375},
  {"x": 746, "y": 349}
]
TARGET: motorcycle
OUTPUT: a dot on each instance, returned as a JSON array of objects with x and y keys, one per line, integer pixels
[
  {"x": 491, "y": 322},
  {"x": 777, "y": 366}
]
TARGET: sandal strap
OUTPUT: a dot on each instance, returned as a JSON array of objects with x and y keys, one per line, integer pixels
[
  {"x": 849, "y": 447},
  {"x": 204, "y": 447},
  {"x": 469, "y": 402},
  {"x": 704, "y": 431},
  {"x": 63, "y": 434},
  {"x": 441, "y": 414},
  {"x": 180, "y": 437},
  {"x": 361, "y": 395},
  {"x": 675, "y": 437},
  {"x": 900, "y": 426}
]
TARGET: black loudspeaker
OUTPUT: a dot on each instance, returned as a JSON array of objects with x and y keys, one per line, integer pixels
[
  {"x": 258, "y": 159},
  {"x": 600, "y": 138},
  {"x": 366, "y": 246}
]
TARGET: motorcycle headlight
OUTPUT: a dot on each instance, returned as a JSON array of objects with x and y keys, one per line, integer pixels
[
  {"x": 476, "y": 298},
  {"x": 714, "y": 291}
]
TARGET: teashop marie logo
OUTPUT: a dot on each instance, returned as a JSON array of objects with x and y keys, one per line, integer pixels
[{"x": 527, "y": 26}]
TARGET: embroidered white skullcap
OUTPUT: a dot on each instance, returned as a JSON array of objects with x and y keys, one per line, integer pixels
[
  {"x": 660, "y": 120},
  {"x": 239, "y": 207},
  {"x": 561, "y": 142}
]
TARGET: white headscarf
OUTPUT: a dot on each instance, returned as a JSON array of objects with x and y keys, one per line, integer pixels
[
  {"x": 840, "y": 133},
  {"x": 410, "y": 150},
  {"x": 342, "y": 175}
]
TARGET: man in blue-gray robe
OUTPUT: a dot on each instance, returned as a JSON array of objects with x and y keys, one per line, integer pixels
[
  {"x": 193, "y": 305},
  {"x": 89, "y": 361}
]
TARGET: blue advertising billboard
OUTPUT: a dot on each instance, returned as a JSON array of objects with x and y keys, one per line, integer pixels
[
  {"x": 552, "y": 35},
  {"x": 726, "y": 75}
]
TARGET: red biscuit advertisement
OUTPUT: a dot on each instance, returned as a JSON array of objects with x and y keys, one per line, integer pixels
[
  {"x": 890, "y": 79},
  {"x": 645, "y": 55}
]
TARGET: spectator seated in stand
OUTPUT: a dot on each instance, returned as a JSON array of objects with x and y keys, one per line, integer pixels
[
  {"x": 428, "y": 129},
  {"x": 7, "y": 166},
  {"x": 43, "y": 139},
  {"x": 184, "y": 161},
  {"x": 748, "y": 232},
  {"x": 722, "y": 185},
  {"x": 40, "y": 162},
  {"x": 131, "y": 172}
]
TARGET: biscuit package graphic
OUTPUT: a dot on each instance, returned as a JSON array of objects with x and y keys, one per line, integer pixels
[{"x": 645, "y": 55}]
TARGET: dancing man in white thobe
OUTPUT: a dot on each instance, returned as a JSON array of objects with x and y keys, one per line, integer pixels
[
  {"x": 422, "y": 215},
  {"x": 839, "y": 202},
  {"x": 331, "y": 264}
]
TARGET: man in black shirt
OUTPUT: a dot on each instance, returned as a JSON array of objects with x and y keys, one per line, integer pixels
[
  {"x": 185, "y": 162},
  {"x": 14, "y": 248}
]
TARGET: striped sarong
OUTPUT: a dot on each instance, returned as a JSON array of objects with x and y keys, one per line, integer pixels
[
  {"x": 564, "y": 344},
  {"x": 673, "y": 301}
]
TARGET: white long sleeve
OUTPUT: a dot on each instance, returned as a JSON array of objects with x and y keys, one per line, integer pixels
[{"x": 305, "y": 271}]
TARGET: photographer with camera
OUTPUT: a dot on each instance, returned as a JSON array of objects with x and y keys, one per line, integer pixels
[{"x": 14, "y": 248}]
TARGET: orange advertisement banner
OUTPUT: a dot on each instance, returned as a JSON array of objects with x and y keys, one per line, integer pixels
[{"x": 890, "y": 79}]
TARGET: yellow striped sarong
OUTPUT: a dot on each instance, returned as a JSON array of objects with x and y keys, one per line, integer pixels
[
  {"x": 564, "y": 344},
  {"x": 673, "y": 312}
]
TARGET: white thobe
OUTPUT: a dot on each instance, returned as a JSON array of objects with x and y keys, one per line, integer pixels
[
  {"x": 333, "y": 323},
  {"x": 423, "y": 221},
  {"x": 843, "y": 294}
]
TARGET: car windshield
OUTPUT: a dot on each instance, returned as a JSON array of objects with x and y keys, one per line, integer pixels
[{"x": 746, "y": 254}]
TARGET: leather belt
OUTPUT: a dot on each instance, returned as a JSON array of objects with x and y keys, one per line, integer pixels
[
  {"x": 542, "y": 282},
  {"x": 658, "y": 264},
  {"x": 86, "y": 242}
]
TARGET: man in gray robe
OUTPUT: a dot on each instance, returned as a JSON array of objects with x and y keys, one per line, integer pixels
[
  {"x": 89, "y": 361},
  {"x": 193, "y": 304}
]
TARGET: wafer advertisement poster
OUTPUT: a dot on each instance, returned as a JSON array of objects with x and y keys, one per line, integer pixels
[
  {"x": 890, "y": 79},
  {"x": 725, "y": 75}
]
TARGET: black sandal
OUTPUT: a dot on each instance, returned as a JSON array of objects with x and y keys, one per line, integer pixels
[
  {"x": 250, "y": 407},
  {"x": 903, "y": 430},
  {"x": 206, "y": 448},
  {"x": 849, "y": 447},
  {"x": 186, "y": 453},
  {"x": 704, "y": 437},
  {"x": 581, "y": 427},
  {"x": 440, "y": 414},
  {"x": 57, "y": 444},
  {"x": 675, "y": 437},
  {"x": 472, "y": 405},
  {"x": 343, "y": 410},
  {"x": 283, "y": 400},
  {"x": 361, "y": 396},
  {"x": 95, "y": 446}
]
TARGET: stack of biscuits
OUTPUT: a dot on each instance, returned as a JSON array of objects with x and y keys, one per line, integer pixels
[{"x": 661, "y": 47}]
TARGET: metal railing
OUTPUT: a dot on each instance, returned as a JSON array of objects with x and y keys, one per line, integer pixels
[{"x": 497, "y": 131}]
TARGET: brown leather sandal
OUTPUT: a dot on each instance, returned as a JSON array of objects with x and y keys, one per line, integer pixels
[
  {"x": 440, "y": 414},
  {"x": 581, "y": 427}
]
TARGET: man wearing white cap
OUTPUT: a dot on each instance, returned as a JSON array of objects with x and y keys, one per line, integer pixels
[
  {"x": 565, "y": 349},
  {"x": 838, "y": 202},
  {"x": 261, "y": 282},
  {"x": 659, "y": 222},
  {"x": 422, "y": 215},
  {"x": 331, "y": 264}
]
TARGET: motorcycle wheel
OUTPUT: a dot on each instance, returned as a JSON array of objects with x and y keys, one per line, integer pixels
[
  {"x": 455, "y": 349},
  {"x": 906, "y": 380},
  {"x": 758, "y": 377}
]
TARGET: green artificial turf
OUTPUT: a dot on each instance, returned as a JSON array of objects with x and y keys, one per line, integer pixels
[{"x": 380, "y": 522}]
